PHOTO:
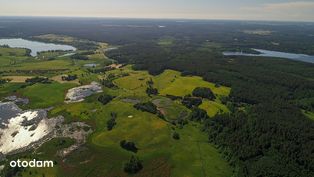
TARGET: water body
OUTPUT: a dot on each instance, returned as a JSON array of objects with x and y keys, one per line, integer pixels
[
  {"x": 35, "y": 46},
  {"x": 269, "y": 53}
]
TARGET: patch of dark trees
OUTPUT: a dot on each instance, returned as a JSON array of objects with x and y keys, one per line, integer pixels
[
  {"x": 133, "y": 166},
  {"x": 69, "y": 77},
  {"x": 129, "y": 146},
  {"x": 198, "y": 115},
  {"x": 149, "y": 107},
  {"x": 78, "y": 56},
  {"x": 112, "y": 121},
  {"x": 107, "y": 83},
  {"x": 150, "y": 88},
  {"x": 191, "y": 102},
  {"x": 203, "y": 92},
  {"x": 3, "y": 81},
  {"x": 105, "y": 99},
  {"x": 176, "y": 135},
  {"x": 41, "y": 80}
]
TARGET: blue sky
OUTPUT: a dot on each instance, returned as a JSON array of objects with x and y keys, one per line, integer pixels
[{"x": 288, "y": 10}]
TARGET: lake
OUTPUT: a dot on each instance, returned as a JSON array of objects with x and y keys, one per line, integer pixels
[
  {"x": 269, "y": 53},
  {"x": 35, "y": 46}
]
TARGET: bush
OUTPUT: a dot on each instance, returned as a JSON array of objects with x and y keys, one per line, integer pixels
[
  {"x": 191, "y": 102},
  {"x": 129, "y": 146},
  {"x": 133, "y": 166},
  {"x": 148, "y": 107},
  {"x": 151, "y": 91},
  {"x": 112, "y": 121},
  {"x": 176, "y": 136},
  {"x": 105, "y": 99},
  {"x": 203, "y": 92},
  {"x": 198, "y": 114},
  {"x": 42, "y": 80}
]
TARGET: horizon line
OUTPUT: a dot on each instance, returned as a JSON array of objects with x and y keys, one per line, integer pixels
[{"x": 155, "y": 18}]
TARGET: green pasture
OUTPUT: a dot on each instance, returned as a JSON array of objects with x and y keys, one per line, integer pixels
[
  {"x": 212, "y": 108},
  {"x": 174, "y": 84},
  {"x": 45, "y": 95}
]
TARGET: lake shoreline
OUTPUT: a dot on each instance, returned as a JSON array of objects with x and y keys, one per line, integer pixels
[
  {"x": 275, "y": 54},
  {"x": 35, "y": 46}
]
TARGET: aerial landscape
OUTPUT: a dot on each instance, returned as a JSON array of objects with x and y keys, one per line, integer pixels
[{"x": 156, "y": 94}]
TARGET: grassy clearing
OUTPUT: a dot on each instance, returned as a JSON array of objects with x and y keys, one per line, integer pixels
[
  {"x": 170, "y": 82},
  {"x": 166, "y": 41},
  {"x": 12, "y": 51},
  {"x": 56, "y": 38},
  {"x": 45, "y": 65},
  {"x": 212, "y": 108},
  {"x": 185, "y": 156},
  {"x": 45, "y": 95},
  {"x": 172, "y": 110},
  {"x": 17, "y": 79},
  {"x": 308, "y": 114}
]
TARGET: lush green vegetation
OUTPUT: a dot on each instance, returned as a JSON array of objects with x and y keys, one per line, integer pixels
[{"x": 119, "y": 128}]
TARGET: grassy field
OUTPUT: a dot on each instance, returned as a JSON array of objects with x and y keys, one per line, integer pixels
[
  {"x": 166, "y": 41},
  {"x": 213, "y": 108},
  {"x": 12, "y": 51},
  {"x": 17, "y": 79},
  {"x": 170, "y": 82},
  {"x": 308, "y": 114},
  {"x": 45, "y": 95},
  {"x": 46, "y": 65}
]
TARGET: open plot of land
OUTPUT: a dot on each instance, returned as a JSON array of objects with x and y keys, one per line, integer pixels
[
  {"x": 45, "y": 65},
  {"x": 45, "y": 95},
  {"x": 17, "y": 79},
  {"x": 212, "y": 108},
  {"x": 172, "y": 110},
  {"x": 12, "y": 51},
  {"x": 173, "y": 84}
]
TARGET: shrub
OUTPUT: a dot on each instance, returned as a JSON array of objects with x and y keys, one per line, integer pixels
[
  {"x": 105, "y": 99},
  {"x": 191, "y": 102},
  {"x": 148, "y": 107},
  {"x": 129, "y": 146},
  {"x": 198, "y": 114},
  {"x": 176, "y": 136},
  {"x": 203, "y": 92},
  {"x": 112, "y": 121},
  {"x": 133, "y": 166}
]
